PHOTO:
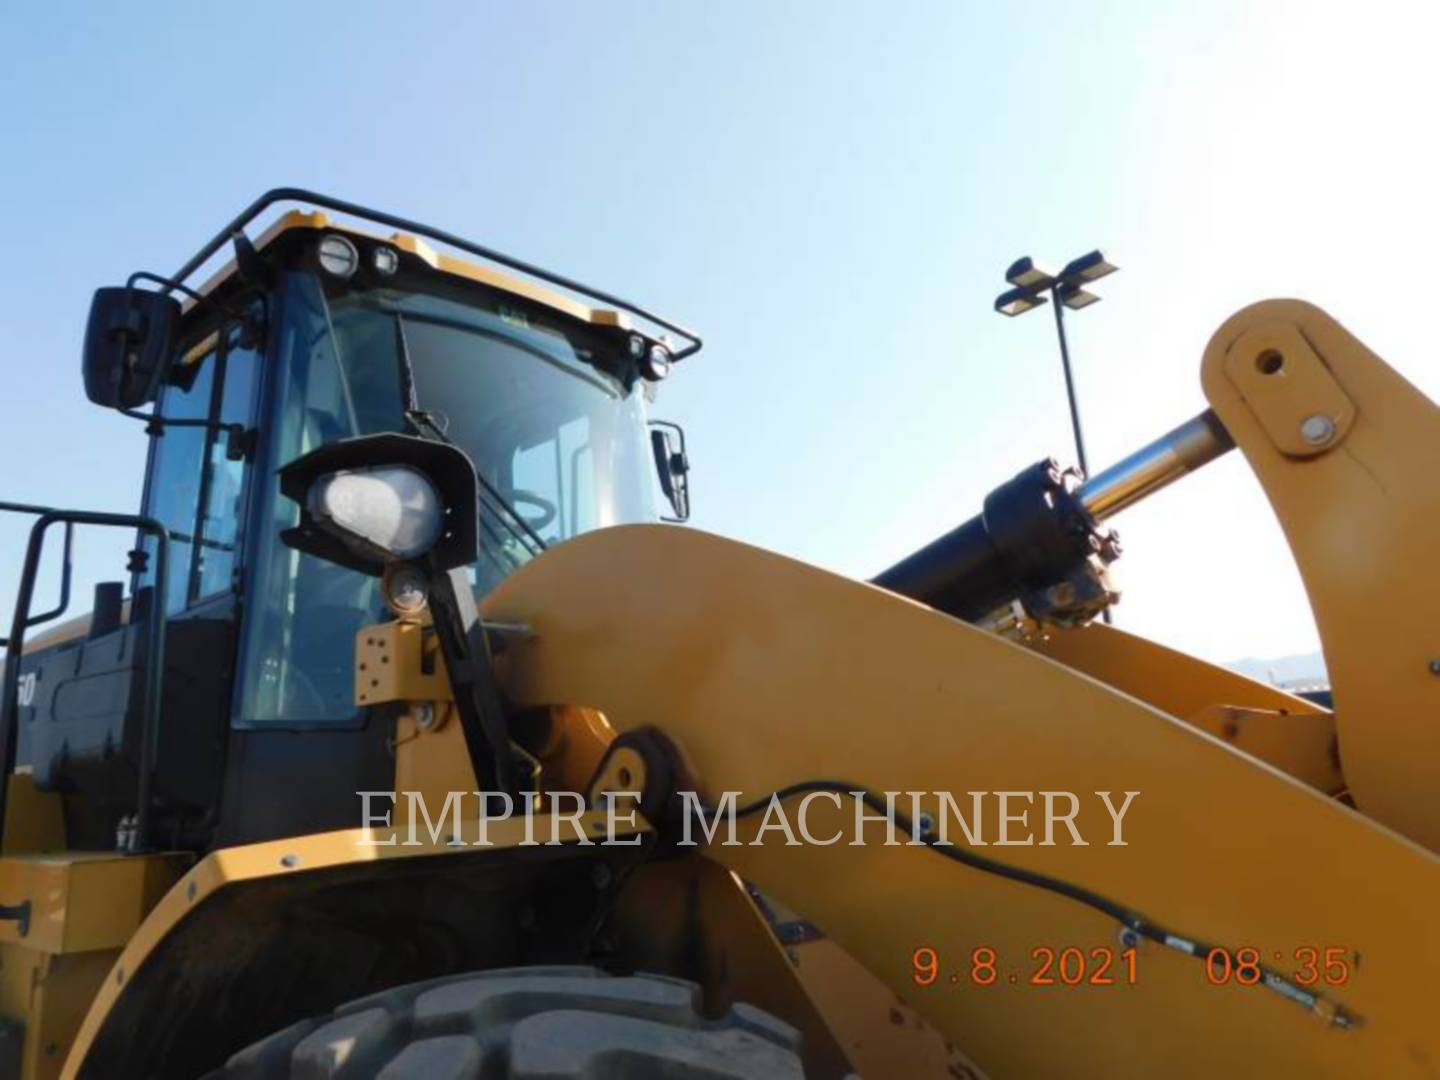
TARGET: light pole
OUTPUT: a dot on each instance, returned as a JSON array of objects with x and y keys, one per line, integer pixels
[{"x": 1067, "y": 290}]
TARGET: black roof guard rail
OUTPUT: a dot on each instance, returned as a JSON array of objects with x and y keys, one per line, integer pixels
[{"x": 340, "y": 206}]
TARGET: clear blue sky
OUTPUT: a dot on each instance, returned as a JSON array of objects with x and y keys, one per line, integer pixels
[{"x": 829, "y": 191}]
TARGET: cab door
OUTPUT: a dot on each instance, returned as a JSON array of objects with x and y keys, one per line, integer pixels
[{"x": 198, "y": 484}]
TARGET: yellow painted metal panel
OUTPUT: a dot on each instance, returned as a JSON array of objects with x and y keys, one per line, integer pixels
[
  {"x": 48, "y": 994},
  {"x": 63, "y": 988},
  {"x": 1299, "y": 738},
  {"x": 388, "y": 666},
  {"x": 1362, "y": 516},
  {"x": 83, "y": 901},
  {"x": 879, "y": 1030},
  {"x": 34, "y": 819},
  {"x": 303, "y": 855},
  {"x": 1172, "y": 681}
]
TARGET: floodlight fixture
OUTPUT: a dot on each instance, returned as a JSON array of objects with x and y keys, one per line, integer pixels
[
  {"x": 1034, "y": 286},
  {"x": 1018, "y": 301},
  {"x": 1074, "y": 297},
  {"x": 1087, "y": 268},
  {"x": 1024, "y": 274},
  {"x": 1031, "y": 283}
]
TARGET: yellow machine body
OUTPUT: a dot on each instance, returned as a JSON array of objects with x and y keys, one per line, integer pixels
[
  {"x": 1254, "y": 821},
  {"x": 1346, "y": 450},
  {"x": 766, "y": 673}
]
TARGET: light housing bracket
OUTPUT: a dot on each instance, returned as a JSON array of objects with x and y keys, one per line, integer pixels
[{"x": 447, "y": 467}]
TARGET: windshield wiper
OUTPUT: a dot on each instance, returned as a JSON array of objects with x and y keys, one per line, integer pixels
[{"x": 421, "y": 422}]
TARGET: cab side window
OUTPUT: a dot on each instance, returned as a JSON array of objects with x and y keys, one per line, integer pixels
[
  {"x": 198, "y": 474},
  {"x": 175, "y": 471},
  {"x": 224, "y": 482}
]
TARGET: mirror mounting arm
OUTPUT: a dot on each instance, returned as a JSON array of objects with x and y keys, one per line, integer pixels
[{"x": 240, "y": 439}]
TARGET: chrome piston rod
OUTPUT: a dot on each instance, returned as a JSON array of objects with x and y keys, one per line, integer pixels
[
  {"x": 1195, "y": 443},
  {"x": 1035, "y": 531}
]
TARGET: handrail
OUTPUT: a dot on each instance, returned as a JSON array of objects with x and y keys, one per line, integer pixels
[
  {"x": 154, "y": 660},
  {"x": 65, "y": 570}
]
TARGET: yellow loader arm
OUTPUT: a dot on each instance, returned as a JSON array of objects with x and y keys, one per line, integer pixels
[{"x": 766, "y": 673}]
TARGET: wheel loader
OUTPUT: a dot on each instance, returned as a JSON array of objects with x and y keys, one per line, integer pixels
[{"x": 418, "y": 737}]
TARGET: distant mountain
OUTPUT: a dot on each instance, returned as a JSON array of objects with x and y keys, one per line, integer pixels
[{"x": 1291, "y": 672}]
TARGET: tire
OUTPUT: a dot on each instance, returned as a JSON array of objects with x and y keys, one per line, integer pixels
[{"x": 528, "y": 1024}]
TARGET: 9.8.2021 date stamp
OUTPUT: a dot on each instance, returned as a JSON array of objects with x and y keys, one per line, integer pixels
[
  {"x": 1101, "y": 965},
  {"x": 1048, "y": 965}
]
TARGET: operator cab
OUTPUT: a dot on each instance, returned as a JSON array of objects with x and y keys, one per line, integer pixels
[
  {"x": 548, "y": 407},
  {"x": 318, "y": 333}
]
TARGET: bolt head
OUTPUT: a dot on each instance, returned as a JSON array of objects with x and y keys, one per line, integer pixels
[{"x": 1317, "y": 430}]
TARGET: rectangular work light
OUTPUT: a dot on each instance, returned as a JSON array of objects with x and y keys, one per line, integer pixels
[{"x": 1017, "y": 302}]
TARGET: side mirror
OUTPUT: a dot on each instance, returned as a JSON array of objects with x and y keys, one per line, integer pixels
[
  {"x": 672, "y": 465},
  {"x": 128, "y": 344}
]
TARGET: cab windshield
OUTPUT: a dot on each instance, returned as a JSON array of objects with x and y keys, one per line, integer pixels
[
  {"x": 558, "y": 437},
  {"x": 553, "y": 422}
]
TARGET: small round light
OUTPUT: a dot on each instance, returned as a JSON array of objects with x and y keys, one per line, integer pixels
[
  {"x": 338, "y": 256},
  {"x": 405, "y": 590},
  {"x": 637, "y": 346},
  {"x": 386, "y": 260},
  {"x": 656, "y": 364}
]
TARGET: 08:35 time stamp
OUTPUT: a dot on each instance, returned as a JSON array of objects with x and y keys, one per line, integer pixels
[{"x": 1101, "y": 965}]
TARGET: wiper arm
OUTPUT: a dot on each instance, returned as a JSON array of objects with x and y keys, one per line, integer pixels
[
  {"x": 407, "y": 371},
  {"x": 421, "y": 421}
]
